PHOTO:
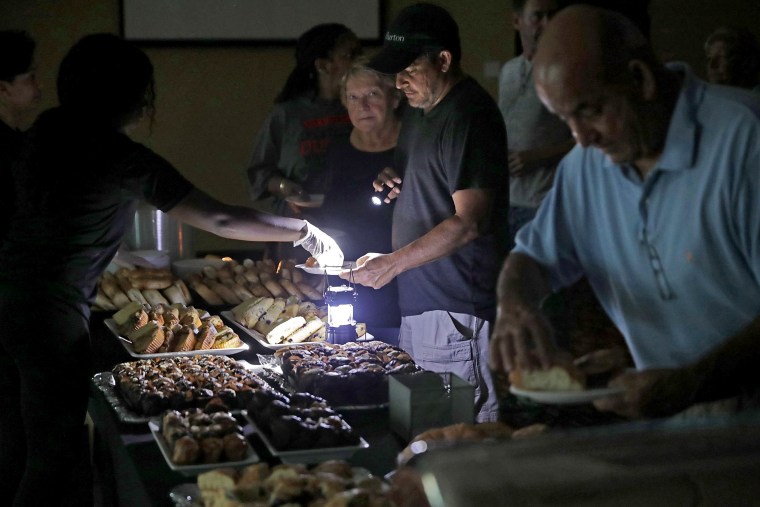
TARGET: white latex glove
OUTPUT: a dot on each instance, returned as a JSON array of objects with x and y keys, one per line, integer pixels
[{"x": 321, "y": 246}]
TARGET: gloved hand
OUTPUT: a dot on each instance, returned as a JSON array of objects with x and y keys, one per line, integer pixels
[{"x": 321, "y": 246}]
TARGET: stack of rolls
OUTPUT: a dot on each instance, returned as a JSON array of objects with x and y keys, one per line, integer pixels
[
  {"x": 236, "y": 282},
  {"x": 142, "y": 285}
]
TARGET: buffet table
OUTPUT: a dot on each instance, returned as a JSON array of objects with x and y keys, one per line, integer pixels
[{"x": 129, "y": 467}]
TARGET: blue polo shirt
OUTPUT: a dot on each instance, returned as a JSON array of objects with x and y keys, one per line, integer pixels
[{"x": 673, "y": 259}]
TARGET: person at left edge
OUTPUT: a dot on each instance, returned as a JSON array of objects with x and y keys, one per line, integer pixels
[
  {"x": 20, "y": 96},
  {"x": 78, "y": 179}
]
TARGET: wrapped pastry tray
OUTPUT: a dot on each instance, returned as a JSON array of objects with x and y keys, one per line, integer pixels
[{"x": 111, "y": 325}]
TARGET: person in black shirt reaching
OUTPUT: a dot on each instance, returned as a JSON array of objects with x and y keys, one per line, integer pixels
[
  {"x": 78, "y": 179},
  {"x": 20, "y": 96}
]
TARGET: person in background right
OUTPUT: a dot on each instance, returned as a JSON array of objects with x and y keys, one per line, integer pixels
[
  {"x": 657, "y": 206},
  {"x": 373, "y": 104},
  {"x": 733, "y": 58},
  {"x": 537, "y": 138}
]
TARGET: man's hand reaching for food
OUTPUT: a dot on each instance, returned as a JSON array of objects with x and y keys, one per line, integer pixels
[{"x": 372, "y": 270}]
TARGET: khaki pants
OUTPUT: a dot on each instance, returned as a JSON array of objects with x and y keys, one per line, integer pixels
[{"x": 443, "y": 341}]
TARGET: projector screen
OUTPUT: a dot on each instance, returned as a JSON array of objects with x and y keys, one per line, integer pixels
[{"x": 276, "y": 21}]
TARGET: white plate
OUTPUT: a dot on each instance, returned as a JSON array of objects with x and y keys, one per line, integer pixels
[
  {"x": 566, "y": 397},
  {"x": 309, "y": 456},
  {"x": 111, "y": 324},
  {"x": 329, "y": 270},
  {"x": 191, "y": 470}
]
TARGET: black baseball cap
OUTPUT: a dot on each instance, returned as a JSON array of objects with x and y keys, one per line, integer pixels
[{"x": 417, "y": 29}]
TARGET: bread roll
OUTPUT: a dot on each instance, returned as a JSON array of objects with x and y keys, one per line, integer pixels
[
  {"x": 559, "y": 377},
  {"x": 208, "y": 295},
  {"x": 154, "y": 297},
  {"x": 185, "y": 291},
  {"x": 102, "y": 301},
  {"x": 114, "y": 293},
  {"x": 174, "y": 295},
  {"x": 258, "y": 290},
  {"x": 224, "y": 292},
  {"x": 309, "y": 291},
  {"x": 274, "y": 287},
  {"x": 292, "y": 289}
]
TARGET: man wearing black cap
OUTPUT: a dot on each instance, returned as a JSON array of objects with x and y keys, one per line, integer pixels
[{"x": 449, "y": 221}]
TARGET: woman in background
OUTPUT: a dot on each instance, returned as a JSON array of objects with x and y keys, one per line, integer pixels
[
  {"x": 78, "y": 179},
  {"x": 733, "y": 58},
  {"x": 373, "y": 104},
  {"x": 308, "y": 115}
]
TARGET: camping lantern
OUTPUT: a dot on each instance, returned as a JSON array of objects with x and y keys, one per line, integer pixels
[{"x": 341, "y": 326}]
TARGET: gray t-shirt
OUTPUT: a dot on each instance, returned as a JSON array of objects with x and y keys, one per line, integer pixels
[{"x": 529, "y": 125}]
